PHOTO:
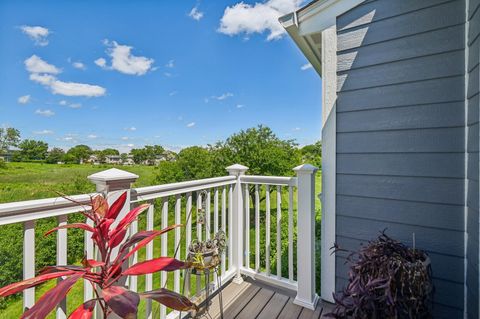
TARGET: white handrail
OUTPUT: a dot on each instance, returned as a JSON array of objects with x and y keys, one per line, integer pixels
[
  {"x": 151, "y": 192},
  {"x": 17, "y": 212},
  {"x": 269, "y": 180}
]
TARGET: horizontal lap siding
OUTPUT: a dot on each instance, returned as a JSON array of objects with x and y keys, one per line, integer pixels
[
  {"x": 473, "y": 40},
  {"x": 401, "y": 134}
]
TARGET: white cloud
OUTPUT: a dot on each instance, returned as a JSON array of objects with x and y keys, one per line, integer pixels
[
  {"x": 167, "y": 74},
  {"x": 75, "y": 105},
  {"x": 223, "y": 96},
  {"x": 240, "y": 106},
  {"x": 173, "y": 93},
  {"x": 41, "y": 72},
  {"x": 92, "y": 136},
  {"x": 76, "y": 89},
  {"x": 124, "y": 61},
  {"x": 37, "y": 34},
  {"x": 306, "y": 67},
  {"x": 79, "y": 65},
  {"x": 34, "y": 64},
  {"x": 170, "y": 64},
  {"x": 192, "y": 124},
  {"x": 63, "y": 102},
  {"x": 24, "y": 99},
  {"x": 296, "y": 129},
  {"x": 258, "y": 18},
  {"x": 130, "y": 145},
  {"x": 101, "y": 62},
  {"x": 131, "y": 129},
  {"x": 43, "y": 132},
  {"x": 195, "y": 14},
  {"x": 125, "y": 138},
  {"x": 46, "y": 113}
]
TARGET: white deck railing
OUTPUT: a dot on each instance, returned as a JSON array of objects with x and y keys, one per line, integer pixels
[{"x": 237, "y": 205}]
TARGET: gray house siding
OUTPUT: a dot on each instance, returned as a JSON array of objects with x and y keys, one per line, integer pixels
[
  {"x": 401, "y": 134},
  {"x": 473, "y": 43}
]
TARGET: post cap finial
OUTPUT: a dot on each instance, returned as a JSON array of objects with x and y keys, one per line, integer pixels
[
  {"x": 307, "y": 168},
  {"x": 112, "y": 175},
  {"x": 236, "y": 169}
]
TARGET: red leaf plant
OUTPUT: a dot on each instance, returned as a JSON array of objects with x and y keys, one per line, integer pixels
[{"x": 104, "y": 274}]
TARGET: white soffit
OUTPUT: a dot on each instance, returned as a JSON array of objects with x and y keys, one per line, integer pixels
[{"x": 305, "y": 26}]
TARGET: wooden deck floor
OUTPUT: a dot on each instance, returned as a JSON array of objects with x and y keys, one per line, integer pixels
[{"x": 255, "y": 300}]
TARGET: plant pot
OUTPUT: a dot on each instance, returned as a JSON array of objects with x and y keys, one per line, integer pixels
[{"x": 204, "y": 260}]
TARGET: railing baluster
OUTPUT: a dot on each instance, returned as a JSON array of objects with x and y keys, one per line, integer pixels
[
  {"x": 188, "y": 239},
  {"x": 267, "y": 229},
  {"x": 178, "y": 212},
  {"x": 62, "y": 260},
  {"x": 215, "y": 226},
  {"x": 132, "y": 280},
  {"x": 290, "y": 233},
  {"x": 208, "y": 224},
  {"x": 224, "y": 223},
  {"x": 230, "y": 227},
  {"x": 28, "y": 261},
  {"x": 149, "y": 256},
  {"x": 163, "y": 250},
  {"x": 257, "y": 228},
  {"x": 279, "y": 232},
  {"x": 89, "y": 249},
  {"x": 247, "y": 226},
  {"x": 199, "y": 238}
]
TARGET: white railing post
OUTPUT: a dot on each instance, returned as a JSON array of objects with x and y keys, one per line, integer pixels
[
  {"x": 237, "y": 221},
  {"x": 113, "y": 183},
  {"x": 306, "y": 295}
]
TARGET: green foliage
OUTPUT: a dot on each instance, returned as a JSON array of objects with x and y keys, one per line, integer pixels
[
  {"x": 55, "y": 155},
  {"x": 260, "y": 150},
  {"x": 147, "y": 154},
  {"x": 3, "y": 165},
  {"x": 169, "y": 172},
  {"x": 31, "y": 150},
  {"x": 8, "y": 137},
  {"x": 312, "y": 154},
  {"x": 78, "y": 153}
]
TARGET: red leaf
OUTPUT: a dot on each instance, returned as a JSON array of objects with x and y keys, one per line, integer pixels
[
  {"x": 92, "y": 263},
  {"x": 117, "y": 238},
  {"x": 128, "y": 219},
  {"x": 170, "y": 299},
  {"x": 122, "y": 301},
  {"x": 74, "y": 225},
  {"x": 100, "y": 205},
  {"x": 32, "y": 282},
  {"x": 104, "y": 226},
  {"x": 50, "y": 299},
  {"x": 154, "y": 265},
  {"x": 124, "y": 255},
  {"x": 53, "y": 269},
  {"x": 117, "y": 206},
  {"x": 84, "y": 311}
]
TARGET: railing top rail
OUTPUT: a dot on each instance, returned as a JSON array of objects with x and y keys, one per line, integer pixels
[
  {"x": 15, "y": 212},
  {"x": 152, "y": 192},
  {"x": 269, "y": 180}
]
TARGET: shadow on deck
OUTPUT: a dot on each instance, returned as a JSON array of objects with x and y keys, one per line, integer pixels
[{"x": 256, "y": 300}]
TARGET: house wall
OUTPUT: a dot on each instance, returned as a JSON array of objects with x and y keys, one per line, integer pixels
[
  {"x": 401, "y": 134},
  {"x": 472, "y": 69}
]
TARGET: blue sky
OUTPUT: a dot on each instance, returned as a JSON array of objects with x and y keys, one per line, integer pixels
[{"x": 125, "y": 74}]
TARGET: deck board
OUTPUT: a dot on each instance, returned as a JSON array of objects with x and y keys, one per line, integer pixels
[{"x": 251, "y": 300}]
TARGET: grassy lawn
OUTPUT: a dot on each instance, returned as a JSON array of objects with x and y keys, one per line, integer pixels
[{"x": 24, "y": 181}]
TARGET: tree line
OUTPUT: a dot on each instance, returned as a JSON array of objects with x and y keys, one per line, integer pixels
[{"x": 259, "y": 148}]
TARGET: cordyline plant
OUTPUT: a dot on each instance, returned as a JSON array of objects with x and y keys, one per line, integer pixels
[
  {"x": 105, "y": 274},
  {"x": 386, "y": 280}
]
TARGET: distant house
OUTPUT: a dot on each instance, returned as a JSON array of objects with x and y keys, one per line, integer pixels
[
  {"x": 128, "y": 160},
  {"x": 93, "y": 159},
  {"x": 6, "y": 157},
  {"x": 113, "y": 159},
  {"x": 400, "y": 133}
]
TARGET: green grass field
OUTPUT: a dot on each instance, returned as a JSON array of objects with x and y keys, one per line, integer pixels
[{"x": 25, "y": 181}]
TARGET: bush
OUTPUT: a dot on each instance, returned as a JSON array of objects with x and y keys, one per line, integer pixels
[{"x": 3, "y": 165}]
